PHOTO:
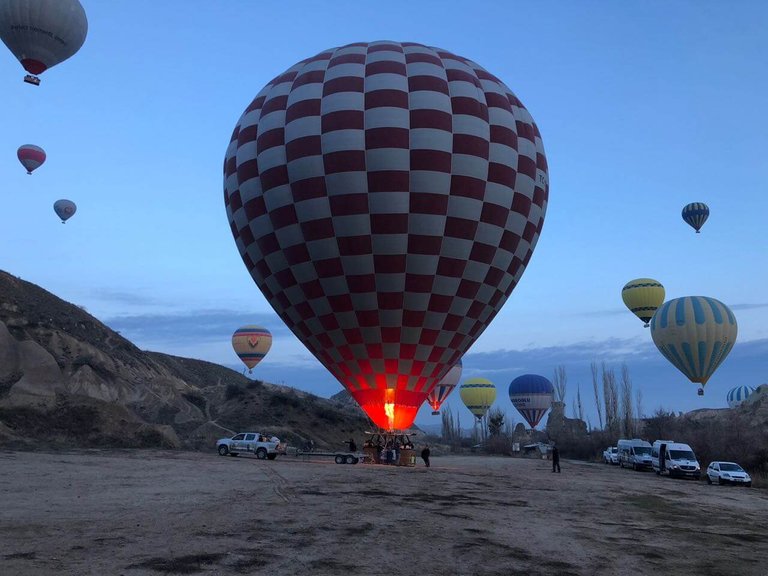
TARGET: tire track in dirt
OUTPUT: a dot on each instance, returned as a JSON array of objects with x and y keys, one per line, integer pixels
[{"x": 281, "y": 486}]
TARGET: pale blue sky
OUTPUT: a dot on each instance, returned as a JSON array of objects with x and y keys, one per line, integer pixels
[{"x": 643, "y": 107}]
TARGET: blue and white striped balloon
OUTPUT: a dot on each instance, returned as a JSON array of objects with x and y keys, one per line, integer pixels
[
  {"x": 737, "y": 395},
  {"x": 695, "y": 214},
  {"x": 695, "y": 333}
]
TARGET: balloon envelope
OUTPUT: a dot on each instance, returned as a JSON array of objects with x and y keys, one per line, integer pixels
[
  {"x": 30, "y": 156},
  {"x": 251, "y": 344},
  {"x": 478, "y": 394},
  {"x": 695, "y": 333},
  {"x": 737, "y": 395},
  {"x": 443, "y": 389},
  {"x": 42, "y": 33},
  {"x": 386, "y": 199},
  {"x": 643, "y": 296},
  {"x": 695, "y": 214},
  {"x": 532, "y": 395},
  {"x": 65, "y": 209}
]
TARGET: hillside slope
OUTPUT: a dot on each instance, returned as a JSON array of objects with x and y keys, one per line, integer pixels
[{"x": 66, "y": 379}]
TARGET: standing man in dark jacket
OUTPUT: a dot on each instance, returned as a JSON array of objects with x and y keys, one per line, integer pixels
[
  {"x": 425, "y": 455},
  {"x": 555, "y": 459}
]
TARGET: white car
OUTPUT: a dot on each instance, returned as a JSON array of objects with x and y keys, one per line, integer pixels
[
  {"x": 728, "y": 473},
  {"x": 263, "y": 447},
  {"x": 611, "y": 455}
]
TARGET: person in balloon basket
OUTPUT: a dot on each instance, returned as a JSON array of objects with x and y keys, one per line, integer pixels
[
  {"x": 425, "y": 455},
  {"x": 555, "y": 459}
]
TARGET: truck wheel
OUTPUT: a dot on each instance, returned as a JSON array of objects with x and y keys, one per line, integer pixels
[
  {"x": 351, "y": 460},
  {"x": 223, "y": 450},
  {"x": 709, "y": 480},
  {"x": 271, "y": 456},
  {"x": 261, "y": 453},
  {"x": 340, "y": 459}
]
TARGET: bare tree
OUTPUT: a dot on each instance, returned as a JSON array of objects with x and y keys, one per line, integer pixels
[
  {"x": 627, "y": 412},
  {"x": 451, "y": 431},
  {"x": 560, "y": 380},
  {"x": 639, "y": 404},
  {"x": 596, "y": 390},
  {"x": 578, "y": 408},
  {"x": 611, "y": 398}
]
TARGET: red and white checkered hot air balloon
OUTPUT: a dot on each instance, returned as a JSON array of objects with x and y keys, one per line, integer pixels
[
  {"x": 30, "y": 156},
  {"x": 386, "y": 198},
  {"x": 42, "y": 33}
]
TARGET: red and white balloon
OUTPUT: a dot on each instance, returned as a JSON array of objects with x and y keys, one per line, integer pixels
[{"x": 386, "y": 198}]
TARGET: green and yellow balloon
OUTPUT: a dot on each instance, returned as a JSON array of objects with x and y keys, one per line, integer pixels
[
  {"x": 478, "y": 394},
  {"x": 643, "y": 296}
]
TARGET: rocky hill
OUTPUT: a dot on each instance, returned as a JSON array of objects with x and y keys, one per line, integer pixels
[{"x": 68, "y": 380}]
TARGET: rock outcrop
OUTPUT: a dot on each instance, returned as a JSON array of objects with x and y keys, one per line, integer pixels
[{"x": 66, "y": 378}]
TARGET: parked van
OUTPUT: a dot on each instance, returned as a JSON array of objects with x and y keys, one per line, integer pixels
[
  {"x": 635, "y": 454},
  {"x": 674, "y": 459}
]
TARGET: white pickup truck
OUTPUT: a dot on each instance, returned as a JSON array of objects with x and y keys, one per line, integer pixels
[{"x": 249, "y": 443}]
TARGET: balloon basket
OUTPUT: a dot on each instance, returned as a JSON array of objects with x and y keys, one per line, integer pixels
[
  {"x": 34, "y": 80},
  {"x": 379, "y": 448},
  {"x": 435, "y": 412},
  {"x": 701, "y": 392}
]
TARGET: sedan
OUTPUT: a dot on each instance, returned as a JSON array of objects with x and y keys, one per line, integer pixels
[
  {"x": 728, "y": 473},
  {"x": 611, "y": 455}
]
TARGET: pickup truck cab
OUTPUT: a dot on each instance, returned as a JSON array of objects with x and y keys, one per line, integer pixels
[{"x": 249, "y": 443}]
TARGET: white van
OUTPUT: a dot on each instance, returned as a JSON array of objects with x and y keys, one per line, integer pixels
[
  {"x": 635, "y": 454},
  {"x": 674, "y": 459}
]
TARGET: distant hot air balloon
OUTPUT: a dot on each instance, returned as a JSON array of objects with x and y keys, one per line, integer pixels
[
  {"x": 695, "y": 214},
  {"x": 695, "y": 333},
  {"x": 478, "y": 394},
  {"x": 737, "y": 395},
  {"x": 30, "y": 156},
  {"x": 643, "y": 296},
  {"x": 386, "y": 198},
  {"x": 251, "y": 343},
  {"x": 532, "y": 395},
  {"x": 42, "y": 33},
  {"x": 65, "y": 209},
  {"x": 443, "y": 389}
]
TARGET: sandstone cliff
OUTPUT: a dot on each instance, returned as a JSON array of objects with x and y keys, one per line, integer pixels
[{"x": 66, "y": 379}]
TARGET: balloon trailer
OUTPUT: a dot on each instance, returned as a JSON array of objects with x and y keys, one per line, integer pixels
[{"x": 388, "y": 448}]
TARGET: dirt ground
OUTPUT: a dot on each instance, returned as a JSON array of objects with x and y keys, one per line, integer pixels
[{"x": 149, "y": 512}]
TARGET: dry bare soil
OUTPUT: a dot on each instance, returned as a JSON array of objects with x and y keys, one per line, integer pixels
[{"x": 151, "y": 512}]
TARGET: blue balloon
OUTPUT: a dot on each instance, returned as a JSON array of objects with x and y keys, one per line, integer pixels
[
  {"x": 695, "y": 214},
  {"x": 532, "y": 395}
]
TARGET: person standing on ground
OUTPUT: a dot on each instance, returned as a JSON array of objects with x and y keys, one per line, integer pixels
[
  {"x": 352, "y": 445},
  {"x": 425, "y": 455},
  {"x": 555, "y": 459}
]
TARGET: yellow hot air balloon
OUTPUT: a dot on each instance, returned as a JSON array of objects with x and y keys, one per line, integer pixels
[
  {"x": 643, "y": 296},
  {"x": 478, "y": 394},
  {"x": 251, "y": 343}
]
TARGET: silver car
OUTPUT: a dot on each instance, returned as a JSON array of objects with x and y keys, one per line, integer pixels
[{"x": 727, "y": 473}]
